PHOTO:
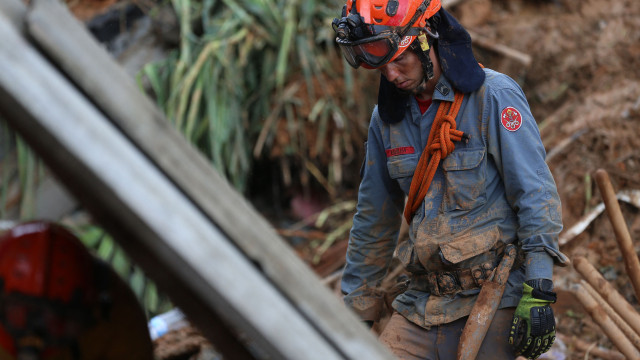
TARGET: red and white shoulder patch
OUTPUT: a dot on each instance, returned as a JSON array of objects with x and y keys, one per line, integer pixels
[{"x": 511, "y": 118}]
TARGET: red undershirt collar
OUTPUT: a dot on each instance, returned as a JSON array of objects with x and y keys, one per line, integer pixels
[{"x": 424, "y": 104}]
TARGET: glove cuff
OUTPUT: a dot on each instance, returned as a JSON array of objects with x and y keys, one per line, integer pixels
[
  {"x": 541, "y": 284},
  {"x": 539, "y": 294}
]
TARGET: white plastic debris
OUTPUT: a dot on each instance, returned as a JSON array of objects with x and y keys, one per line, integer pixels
[{"x": 171, "y": 320}]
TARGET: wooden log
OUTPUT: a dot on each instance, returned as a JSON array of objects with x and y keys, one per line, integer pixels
[
  {"x": 617, "y": 319},
  {"x": 607, "y": 325},
  {"x": 631, "y": 262},
  {"x": 172, "y": 238},
  {"x": 608, "y": 292}
]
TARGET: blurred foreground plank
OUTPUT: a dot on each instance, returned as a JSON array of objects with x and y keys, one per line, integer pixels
[{"x": 192, "y": 233}]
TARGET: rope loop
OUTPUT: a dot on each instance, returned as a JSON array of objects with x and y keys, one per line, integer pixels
[
  {"x": 451, "y": 120},
  {"x": 439, "y": 144}
]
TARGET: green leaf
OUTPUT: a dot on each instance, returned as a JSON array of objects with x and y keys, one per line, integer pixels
[
  {"x": 151, "y": 298},
  {"x": 106, "y": 248},
  {"x": 120, "y": 263},
  {"x": 137, "y": 282},
  {"x": 91, "y": 236},
  {"x": 285, "y": 45}
]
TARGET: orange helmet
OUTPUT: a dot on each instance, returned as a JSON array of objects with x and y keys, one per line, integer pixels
[
  {"x": 46, "y": 287},
  {"x": 372, "y": 33}
]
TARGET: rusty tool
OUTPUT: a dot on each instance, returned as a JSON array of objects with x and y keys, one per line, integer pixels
[
  {"x": 631, "y": 262},
  {"x": 485, "y": 308}
]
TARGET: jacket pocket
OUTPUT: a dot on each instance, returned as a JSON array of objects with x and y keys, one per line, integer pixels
[
  {"x": 467, "y": 246},
  {"x": 401, "y": 169},
  {"x": 465, "y": 177},
  {"x": 406, "y": 254}
]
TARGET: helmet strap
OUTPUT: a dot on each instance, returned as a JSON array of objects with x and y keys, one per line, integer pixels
[
  {"x": 426, "y": 43},
  {"x": 421, "y": 48}
]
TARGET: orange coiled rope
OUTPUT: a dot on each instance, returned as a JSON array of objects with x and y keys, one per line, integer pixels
[{"x": 440, "y": 144}]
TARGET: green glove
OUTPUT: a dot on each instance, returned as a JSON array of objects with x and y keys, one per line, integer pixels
[{"x": 533, "y": 329}]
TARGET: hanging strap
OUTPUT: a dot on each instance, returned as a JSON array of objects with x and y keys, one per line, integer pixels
[{"x": 440, "y": 144}]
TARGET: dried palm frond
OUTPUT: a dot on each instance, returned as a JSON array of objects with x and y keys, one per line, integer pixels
[{"x": 263, "y": 79}]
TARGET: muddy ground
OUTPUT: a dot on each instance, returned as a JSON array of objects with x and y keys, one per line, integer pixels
[{"x": 582, "y": 85}]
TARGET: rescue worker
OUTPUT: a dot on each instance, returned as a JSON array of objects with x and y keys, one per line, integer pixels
[
  {"x": 459, "y": 142},
  {"x": 59, "y": 302}
]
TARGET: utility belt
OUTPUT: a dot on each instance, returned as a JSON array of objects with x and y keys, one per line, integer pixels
[{"x": 446, "y": 283}]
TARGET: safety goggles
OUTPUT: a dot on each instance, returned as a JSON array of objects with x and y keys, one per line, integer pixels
[
  {"x": 373, "y": 51},
  {"x": 379, "y": 44}
]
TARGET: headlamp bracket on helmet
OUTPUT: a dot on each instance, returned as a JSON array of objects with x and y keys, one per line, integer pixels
[{"x": 351, "y": 27}]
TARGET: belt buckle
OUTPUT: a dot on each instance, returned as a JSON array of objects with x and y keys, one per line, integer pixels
[
  {"x": 482, "y": 273},
  {"x": 447, "y": 283}
]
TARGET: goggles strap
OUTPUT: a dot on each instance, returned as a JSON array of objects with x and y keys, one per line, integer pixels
[
  {"x": 414, "y": 31},
  {"x": 425, "y": 60}
]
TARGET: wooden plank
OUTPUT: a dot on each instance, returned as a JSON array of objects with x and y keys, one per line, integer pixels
[
  {"x": 15, "y": 12},
  {"x": 92, "y": 69},
  {"x": 128, "y": 192}
]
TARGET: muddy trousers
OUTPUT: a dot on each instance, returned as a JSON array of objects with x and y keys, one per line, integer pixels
[{"x": 408, "y": 341}]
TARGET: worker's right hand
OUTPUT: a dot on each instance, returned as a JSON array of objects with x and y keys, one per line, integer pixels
[{"x": 533, "y": 329}]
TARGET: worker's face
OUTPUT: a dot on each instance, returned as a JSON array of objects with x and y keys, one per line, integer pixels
[{"x": 406, "y": 73}]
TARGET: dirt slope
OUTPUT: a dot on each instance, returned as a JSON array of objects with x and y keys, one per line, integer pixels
[{"x": 582, "y": 84}]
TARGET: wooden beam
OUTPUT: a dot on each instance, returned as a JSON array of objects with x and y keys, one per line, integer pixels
[
  {"x": 161, "y": 199},
  {"x": 485, "y": 42}
]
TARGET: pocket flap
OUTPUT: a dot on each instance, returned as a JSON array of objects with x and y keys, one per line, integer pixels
[
  {"x": 463, "y": 160},
  {"x": 470, "y": 245},
  {"x": 402, "y": 166}
]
